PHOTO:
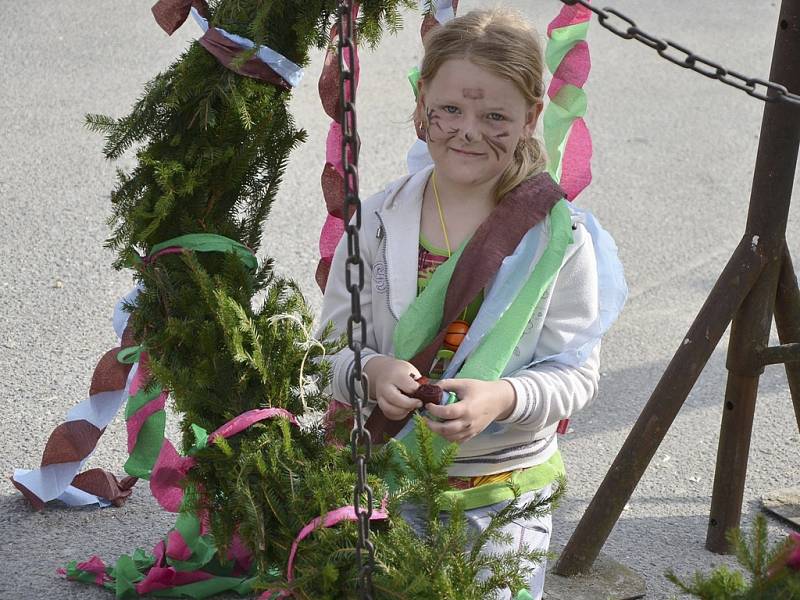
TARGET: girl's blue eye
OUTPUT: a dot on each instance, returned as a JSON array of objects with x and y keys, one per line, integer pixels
[
  {"x": 450, "y": 109},
  {"x": 496, "y": 117}
]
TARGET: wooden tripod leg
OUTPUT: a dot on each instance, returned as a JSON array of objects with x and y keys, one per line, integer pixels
[
  {"x": 733, "y": 285},
  {"x": 749, "y": 333},
  {"x": 787, "y": 321}
]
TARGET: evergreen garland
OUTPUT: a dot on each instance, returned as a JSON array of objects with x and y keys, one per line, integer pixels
[{"x": 211, "y": 149}]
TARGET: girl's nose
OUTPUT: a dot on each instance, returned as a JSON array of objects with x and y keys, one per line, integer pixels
[{"x": 470, "y": 132}]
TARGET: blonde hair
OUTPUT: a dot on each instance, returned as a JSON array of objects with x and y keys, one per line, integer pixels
[{"x": 499, "y": 41}]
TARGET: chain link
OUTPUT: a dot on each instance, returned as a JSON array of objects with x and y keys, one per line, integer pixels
[
  {"x": 360, "y": 441},
  {"x": 675, "y": 53}
]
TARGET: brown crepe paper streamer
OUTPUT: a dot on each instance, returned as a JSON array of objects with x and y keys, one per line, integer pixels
[{"x": 171, "y": 14}]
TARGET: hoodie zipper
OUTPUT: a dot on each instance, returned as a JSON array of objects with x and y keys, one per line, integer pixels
[{"x": 382, "y": 234}]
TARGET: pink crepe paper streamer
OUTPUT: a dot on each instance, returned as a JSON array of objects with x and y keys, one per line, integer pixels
[
  {"x": 345, "y": 513},
  {"x": 166, "y": 479},
  {"x": 161, "y": 578},
  {"x": 332, "y": 232},
  {"x": 569, "y": 15},
  {"x": 136, "y": 421},
  {"x": 246, "y": 419},
  {"x": 176, "y": 548},
  {"x": 168, "y": 475},
  {"x": 94, "y": 565},
  {"x": 574, "y": 69},
  {"x": 333, "y": 147},
  {"x": 241, "y": 555},
  {"x": 576, "y": 171}
]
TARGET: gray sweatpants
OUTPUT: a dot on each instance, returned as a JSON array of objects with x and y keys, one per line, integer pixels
[{"x": 534, "y": 533}]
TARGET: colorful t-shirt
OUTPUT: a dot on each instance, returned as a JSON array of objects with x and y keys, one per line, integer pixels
[{"x": 428, "y": 261}]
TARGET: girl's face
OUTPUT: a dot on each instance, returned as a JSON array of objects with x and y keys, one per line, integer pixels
[{"x": 474, "y": 120}]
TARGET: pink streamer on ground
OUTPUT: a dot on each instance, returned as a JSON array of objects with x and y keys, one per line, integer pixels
[
  {"x": 569, "y": 15},
  {"x": 96, "y": 566},
  {"x": 161, "y": 578},
  {"x": 576, "y": 171},
  {"x": 176, "y": 548}
]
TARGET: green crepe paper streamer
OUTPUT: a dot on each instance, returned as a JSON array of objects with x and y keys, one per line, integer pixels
[
  {"x": 140, "y": 398},
  {"x": 523, "y": 595},
  {"x": 413, "y": 78},
  {"x": 148, "y": 445},
  {"x": 422, "y": 320},
  {"x": 126, "y": 575},
  {"x": 76, "y": 574},
  {"x": 143, "y": 559},
  {"x": 561, "y": 41},
  {"x": 490, "y": 358},
  {"x": 129, "y": 355},
  {"x": 209, "y": 242},
  {"x": 568, "y": 105},
  {"x": 188, "y": 525},
  {"x": 200, "y": 439},
  {"x": 208, "y": 588}
]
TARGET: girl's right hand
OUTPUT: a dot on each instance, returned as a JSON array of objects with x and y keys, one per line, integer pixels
[{"x": 390, "y": 382}]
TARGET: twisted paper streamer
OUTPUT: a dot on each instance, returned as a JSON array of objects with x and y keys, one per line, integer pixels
[
  {"x": 567, "y": 139},
  {"x": 267, "y": 65},
  {"x": 121, "y": 374},
  {"x": 332, "y": 179},
  {"x": 73, "y": 442}
]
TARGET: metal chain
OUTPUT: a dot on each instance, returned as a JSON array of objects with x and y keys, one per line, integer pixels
[
  {"x": 360, "y": 441},
  {"x": 767, "y": 91}
]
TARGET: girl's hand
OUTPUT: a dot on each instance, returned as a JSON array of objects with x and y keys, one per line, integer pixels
[
  {"x": 390, "y": 382},
  {"x": 480, "y": 403}
]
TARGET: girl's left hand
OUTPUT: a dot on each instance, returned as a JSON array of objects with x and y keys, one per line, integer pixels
[{"x": 479, "y": 403}]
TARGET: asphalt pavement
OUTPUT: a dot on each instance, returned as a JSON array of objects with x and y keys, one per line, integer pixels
[{"x": 673, "y": 161}]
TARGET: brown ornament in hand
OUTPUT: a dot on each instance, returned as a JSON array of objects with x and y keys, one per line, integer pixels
[{"x": 427, "y": 392}]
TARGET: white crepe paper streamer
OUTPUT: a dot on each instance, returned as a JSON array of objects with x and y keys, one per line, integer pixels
[
  {"x": 53, "y": 482},
  {"x": 443, "y": 10},
  {"x": 291, "y": 72}
]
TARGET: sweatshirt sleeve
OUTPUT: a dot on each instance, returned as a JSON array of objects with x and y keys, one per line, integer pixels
[
  {"x": 336, "y": 308},
  {"x": 548, "y": 391}
]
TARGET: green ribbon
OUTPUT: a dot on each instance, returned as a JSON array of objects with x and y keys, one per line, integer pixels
[
  {"x": 148, "y": 446},
  {"x": 562, "y": 41},
  {"x": 567, "y": 105},
  {"x": 207, "y": 242},
  {"x": 413, "y": 79},
  {"x": 130, "y": 355}
]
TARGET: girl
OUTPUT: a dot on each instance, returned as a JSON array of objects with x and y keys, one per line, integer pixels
[{"x": 481, "y": 276}]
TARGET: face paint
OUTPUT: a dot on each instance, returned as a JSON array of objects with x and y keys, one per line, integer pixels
[
  {"x": 473, "y": 93},
  {"x": 497, "y": 143},
  {"x": 434, "y": 123}
]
